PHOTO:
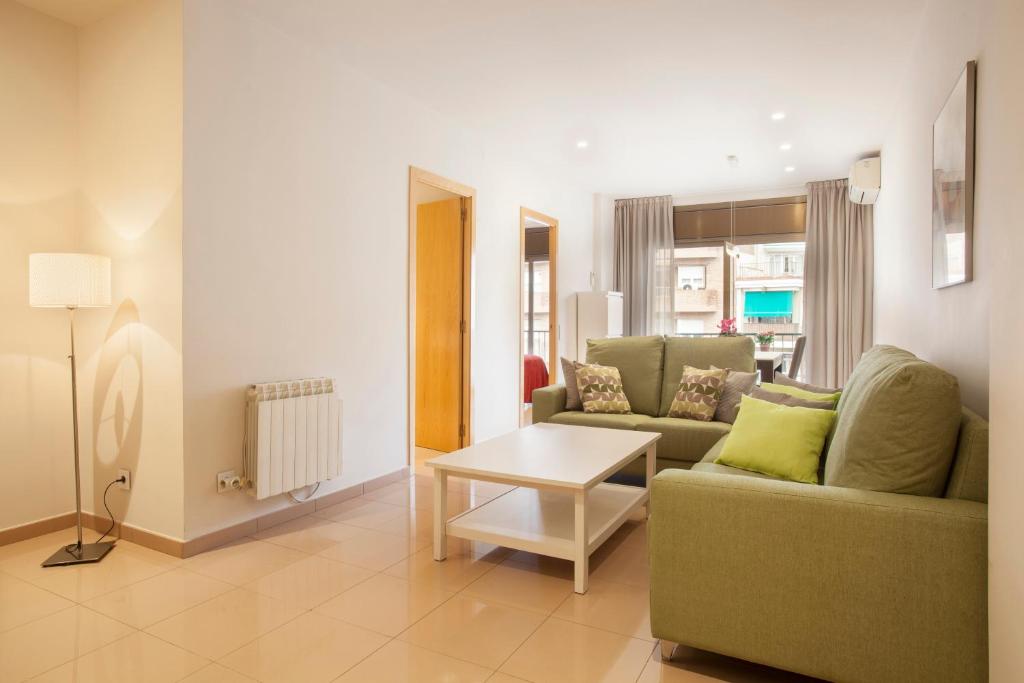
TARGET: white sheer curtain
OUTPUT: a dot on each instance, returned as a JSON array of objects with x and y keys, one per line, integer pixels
[
  {"x": 643, "y": 263},
  {"x": 838, "y": 282}
]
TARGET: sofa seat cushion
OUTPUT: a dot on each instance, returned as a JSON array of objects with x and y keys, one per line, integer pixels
[
  {"x": 686, "y": 440},
  {"x": 638, "y": 360},
  {"x": 732, "y": 353},
  {"x": 607, "y": 420},
  {"x": 899, "y": 417}
]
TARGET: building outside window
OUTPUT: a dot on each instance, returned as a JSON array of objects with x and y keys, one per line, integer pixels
[{"x": 768, "y": 288}]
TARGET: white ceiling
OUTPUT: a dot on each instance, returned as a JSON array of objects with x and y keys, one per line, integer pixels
[
  {"x": 662, "y": 90},
  {"x": 77, "y": 12}
]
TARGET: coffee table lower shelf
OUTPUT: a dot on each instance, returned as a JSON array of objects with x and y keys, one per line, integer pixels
[{"x": 545, "y": 522}]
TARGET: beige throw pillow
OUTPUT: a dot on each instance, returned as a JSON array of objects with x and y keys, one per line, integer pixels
[
  {"x": 737, "y": 384},
  {"x": 792, "y": 401},
  {"x": 785, "y": 380},
  {"x": 601, "y": 390},
  {"x": 572, "y": 389},
  {"x": 698, "y": 394}
]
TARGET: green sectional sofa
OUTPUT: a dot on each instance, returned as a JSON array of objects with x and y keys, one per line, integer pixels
[
  {"x": 832, "y": 581},
  {"x": 651, "y": 368}
]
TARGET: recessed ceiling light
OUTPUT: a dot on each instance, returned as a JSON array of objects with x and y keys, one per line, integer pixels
[
  {"x": 582, "y": 144},
  {"x": 790, "y": 169},
  {"x": 778, "y": 116},
  {"x": 786, "y": 146},
  {"x": 733, "y": 160}
]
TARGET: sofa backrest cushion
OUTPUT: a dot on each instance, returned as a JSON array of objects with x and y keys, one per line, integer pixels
[
  {"x": 639, "y": 361},
  {"x": 734, "y": 353},
  {"x": 968, "y": 480},
  {"x": 897, "y": 428}
]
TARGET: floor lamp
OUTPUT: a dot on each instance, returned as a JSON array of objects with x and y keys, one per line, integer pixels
[{"x": 71, "y": 281}]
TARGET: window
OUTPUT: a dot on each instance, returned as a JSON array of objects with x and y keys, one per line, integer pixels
[{"x": 691, "y": 277}]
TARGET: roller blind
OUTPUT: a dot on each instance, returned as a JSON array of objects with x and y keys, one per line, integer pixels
[
  {"x": 767, "y": 304},
  {"x": 755, "y": 220}
]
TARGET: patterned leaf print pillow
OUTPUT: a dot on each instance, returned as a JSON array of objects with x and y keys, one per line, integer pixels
[
  {"x": 601, "y": 390},
  {"x": 698, "y": 394}
]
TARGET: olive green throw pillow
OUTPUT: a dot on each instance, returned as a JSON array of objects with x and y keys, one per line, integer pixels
[
  {"x": 780, "y": 441},
  {"x": 601, "y": 390},
  {"x": 698, "y": 394},
  {"x": 801, "y": 393}
]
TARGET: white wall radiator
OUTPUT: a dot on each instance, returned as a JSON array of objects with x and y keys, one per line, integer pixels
[{"x": 292, "y": 435}]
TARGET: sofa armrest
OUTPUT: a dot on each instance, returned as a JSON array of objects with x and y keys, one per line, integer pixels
[
  {"x": 547, "y": 401},
  {"x": 837, "y": 583}
]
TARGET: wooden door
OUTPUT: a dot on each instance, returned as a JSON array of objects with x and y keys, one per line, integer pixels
[{"x": 439, "y": 298}]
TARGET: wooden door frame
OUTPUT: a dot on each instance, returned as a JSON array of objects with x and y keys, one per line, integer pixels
[
  {"x": 552, "y": 223},
  {"x": 418, "y": 175}
]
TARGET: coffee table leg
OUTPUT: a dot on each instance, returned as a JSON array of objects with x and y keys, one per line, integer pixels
[
  {"x": 582, "y": 558},
  {"x": 652, "y": 459},
  {"x": 440, "y": 514}
]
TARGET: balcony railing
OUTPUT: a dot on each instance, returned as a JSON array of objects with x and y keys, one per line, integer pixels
[
  {"x": 540, "y": 342},
  {"x": 784, "y": 342}
]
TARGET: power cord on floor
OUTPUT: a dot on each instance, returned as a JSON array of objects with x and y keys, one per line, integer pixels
[
  {"x": 309, "y": 496},
  {"x": 74, "y": 546}
]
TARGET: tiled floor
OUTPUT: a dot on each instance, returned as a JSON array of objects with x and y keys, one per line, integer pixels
[{"x": 350, "y": 593}]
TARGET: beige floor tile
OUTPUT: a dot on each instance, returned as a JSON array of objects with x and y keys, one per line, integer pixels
[
  {"x": 399, "y": 662},
  {"x": 307, "y": 534},
  {"x": 406, "y": 493},
  {"x": 310, "y": 582},
  {"x": 84, "y": 581},
  {"x": 139, "y": 657},
  {"x": 45, "y": 643},
  {"x": 217, "y": 673},
  {"x": 518, "y": 586},
  {"x": 21, "y": 602},
  {"x": 225, "y": 623},
  {"x": 310, "y": 649},
  {"x": 144, "y": 603},
  {"x": 371, "y": 550},
  {"x": 385, "y": 604},
  {"x": 623, "y": 562},
  {"x": 563, "y": 652},
  {"x": 474, "y": 631},
  {"x": 416, "y": 525},
  {"x": 500, "y": 677},
  {"x": 361, "y": 512},
  {"x": 243, "y": 561},
  {"x": 549, "y": 566},
  {"x": 453, "y": 574},
  {"x": 148, "y": 554},
  {"x": 611, "y": 606}
]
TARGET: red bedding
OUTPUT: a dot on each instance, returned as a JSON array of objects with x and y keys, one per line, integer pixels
[{"x": 535, "y": 376}]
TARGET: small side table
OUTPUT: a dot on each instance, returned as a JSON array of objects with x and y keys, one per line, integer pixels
[{"x": 768, "y": 362}]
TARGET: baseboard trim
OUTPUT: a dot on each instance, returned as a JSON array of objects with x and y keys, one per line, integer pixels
[{"x": 178, "y": 548}]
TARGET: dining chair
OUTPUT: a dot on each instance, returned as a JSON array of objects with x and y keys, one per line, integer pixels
[{"x": 798, "y": 355}]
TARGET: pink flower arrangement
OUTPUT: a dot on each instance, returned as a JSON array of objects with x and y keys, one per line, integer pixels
[{"x": 727, "y": 327}]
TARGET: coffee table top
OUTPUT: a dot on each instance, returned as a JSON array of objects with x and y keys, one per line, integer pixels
[{"x": 563, "y": 456}]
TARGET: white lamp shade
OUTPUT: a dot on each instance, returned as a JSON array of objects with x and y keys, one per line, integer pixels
[{"x": 68, "y": 280}]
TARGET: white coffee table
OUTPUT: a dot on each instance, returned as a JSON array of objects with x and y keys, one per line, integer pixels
[{"x": 562, "y": 506}]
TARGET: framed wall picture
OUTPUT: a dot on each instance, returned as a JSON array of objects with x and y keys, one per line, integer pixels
[{"x": 953, "y": 184}]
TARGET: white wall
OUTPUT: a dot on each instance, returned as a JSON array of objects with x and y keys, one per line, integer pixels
[
  {"x": 130, "y": 133},
  {"x": 1002, "y": 171},
  {"x": 38, "y": 198},
  {"x": 295, "y": 244},
  {"x": 949, "y": 326}
]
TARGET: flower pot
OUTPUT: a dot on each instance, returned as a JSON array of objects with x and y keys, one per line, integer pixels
[{"x": 766, "y": 347}]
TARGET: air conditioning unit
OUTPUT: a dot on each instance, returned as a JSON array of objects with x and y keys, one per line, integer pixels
[{"x": 865, "y": 180}]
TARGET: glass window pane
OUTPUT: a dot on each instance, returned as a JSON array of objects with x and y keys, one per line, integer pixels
[{"x": 699, "y": 295}]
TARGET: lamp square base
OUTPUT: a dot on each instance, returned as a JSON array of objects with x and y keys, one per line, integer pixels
[{"x": 89, "y": 552}]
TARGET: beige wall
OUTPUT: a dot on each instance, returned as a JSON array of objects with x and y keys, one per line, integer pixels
[
  {"x": 295, "y": 251},
  {"x": 130, "y": 130},
  {"x": 90, "y": 128},
  {"x": 1002, "y": 171},
  {"x": 38, "y": 187},
  {"x": 948, "y": 326}
]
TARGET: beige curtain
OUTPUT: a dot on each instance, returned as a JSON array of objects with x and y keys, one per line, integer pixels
[
  {"x": 838, "y": 281},
  {"x": 643, "y": 264}
]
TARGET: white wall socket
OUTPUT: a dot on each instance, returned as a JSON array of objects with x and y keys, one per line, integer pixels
[
  {"x": 228, "y": 481},
  {"x": 127, "y": 483}
]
